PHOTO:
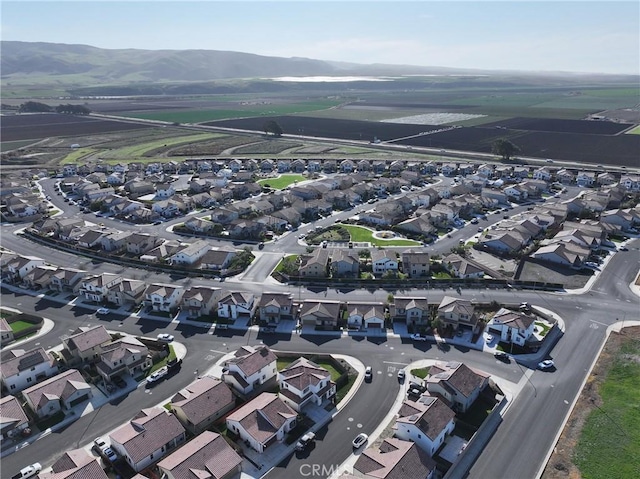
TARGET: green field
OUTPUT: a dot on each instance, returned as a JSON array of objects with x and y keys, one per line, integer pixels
[
  {"x": 138, "y": 151},
  {"x": 609, "y": 445},
  {"x": 634, "y": 131},
  {"x": 199, "y": 116},
  {"x": 77, "y": 155},
  {"x": 281, "y": 181},
  {"x": 360, "y": 234}
]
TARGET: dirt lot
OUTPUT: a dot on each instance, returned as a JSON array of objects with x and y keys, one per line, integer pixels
[
  {"x": 549, "y": 273},
  {"x": 560, "y": 464}
]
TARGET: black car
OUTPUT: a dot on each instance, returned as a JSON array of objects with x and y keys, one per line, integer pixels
[
  {"x": 502, "y": 356},
  {"x": 174, "y": 364}
]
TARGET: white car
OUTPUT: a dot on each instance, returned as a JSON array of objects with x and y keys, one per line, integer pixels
[
  {"x": 546, "y": 364},
  {"x": 165, "y": 337},
  {"x": 102, "y": 311},
  {"x": 402, "y": 374},
  {"x": 418, "y": 337},
  {"x": 28, "y": 471},
  {"x": 489, "y": 338},
  {"x": 360, "y": 440},
  {"x": 99, "y": 444},
  {"x": 157, "y": 375}
]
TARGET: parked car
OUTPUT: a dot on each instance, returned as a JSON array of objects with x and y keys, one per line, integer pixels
[
  {"x": 108, "y": 454},
  {"x": 418, "y": 337},
  {"x": 28, "y": 471},
  {"x": 417, "y": 386},
  {"x": 305, "y": 441},
  {"x": 260, "y": 245},
  {"x": 546, "y": 364},
  {"x": 165, "y": 337},
  {"x": 402, "y": 374},
  {"x": 99, "y": 444},
  {"x": 502, "y": 356},
  {"x": 157, "y": 376},
  {"x": 368, "y": 374},
  {"x": 174, "y": 364},
  {"x": 489, "y": 338},
  {"x": 360, "y": 440},
  {"x": 102, "y": 311},
  {"x": 474, "y": 221},
  {"x": 414, "y": 392}
]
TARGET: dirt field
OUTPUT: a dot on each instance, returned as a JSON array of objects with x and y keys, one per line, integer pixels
[{"x": 560, "y": 464}]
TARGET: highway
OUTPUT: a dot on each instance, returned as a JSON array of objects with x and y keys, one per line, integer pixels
[{"x": 519, "y": 447}]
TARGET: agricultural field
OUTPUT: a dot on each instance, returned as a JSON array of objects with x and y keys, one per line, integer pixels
[
  {"x": 580, "y": 147},
  {"x": 148, "y": 149},
  {"x": 216, "y": 147},
  {"x": 266, "y": 147},
  {"x": 38, "y": 126}
]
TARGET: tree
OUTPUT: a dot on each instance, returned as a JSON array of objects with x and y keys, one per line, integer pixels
[
  {"x": 272, "y": 126},
  {"x": 504, "y": 148}
]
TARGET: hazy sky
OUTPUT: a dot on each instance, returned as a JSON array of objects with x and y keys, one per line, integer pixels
[{"x": 581, "y": 36}]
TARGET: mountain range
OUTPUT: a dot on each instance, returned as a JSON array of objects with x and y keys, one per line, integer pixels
[{"x": 63, "y": 62}]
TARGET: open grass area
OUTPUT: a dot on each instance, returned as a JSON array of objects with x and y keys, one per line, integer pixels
[
  {"x": 421, "y": 372},
  {"x": 76, "y": 155},
  {"x": 281, "y": 181},
  {"x": 162, "y": 363},
  {"x": 342, "y": 392},
  {"x": 18, "y": 326},
  {"x": 360, "y": 234},
  {"x": 634, "y": 131},
  {"x": 610, "y": 439}
]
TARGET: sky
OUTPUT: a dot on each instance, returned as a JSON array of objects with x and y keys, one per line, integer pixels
[{"x": 539, "y": 35}]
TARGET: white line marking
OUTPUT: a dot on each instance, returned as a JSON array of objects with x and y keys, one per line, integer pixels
[{"x": 391, "y": 362}]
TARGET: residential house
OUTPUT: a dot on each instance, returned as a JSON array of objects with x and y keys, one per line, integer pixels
[
  {"x": 115, "y": 241},
  {"x": 39, "y": 277},
  {"x": 383, "y": 261},
  {"x": 461, "y": 268},
  {"x": 236, "y": 304},
  {"x": 128, "y": 292},
  {"x": 59, "y": 393},
  {"x": 412, "y": 310},
  {"x": 457, "y": 313},
  {"x": 586, "y": 178},
  {"x": 19, "y": 266},
  {"x": 200, "y": 301},
  {"x": 369, "y": 316},
  {"x": 625, "y": 218},
  {"x": 630, "y": 182},
  {"x": 250, "y": 367},
  {"x": 542, "y": 173},
  {"x": 203, "y": 402},
  {"x": 263, "y": 421},
  {"x": 75, "y": 464},
  {"x": 426, "y": 422},
  {"x": 320, "y": 314},
  {"x": 164, "y": 190},
  {"x": 162, "y": 252},
  {"x": 304, "y": 382},
  {"x": 419, "y": 225},
  {"x": 345, "y": 263},
  {"x": 163, "y": 297},
  {"x": 512, "y": 327},
  {"x": 415, "y": 263},
  {"x": 21, "y": 369},
  {"x": 274, "y": 307},
  {"x": 314, "y": 265},
  {"x": 140, "y": 243},
  {"x": 6, "y": 333},
  {"x": 217, "y": 259},
  {"x": 96, "y": 288},
  {"x": 456, "y": 383},
  {"x": 90, "y": 238},
  {"x": 148, "y": 437},
  {"x": 191, "y": 254},
  {"x": 127, "y": 355},
  {"x": 86, "y": 343},
  {"x": 207, "y": 456},
  {"x": 224, "y": 215},
  {"x": 394, "y": 459},
  {"x": 564, "y": 253},
  {"x": 564, "y": 176},
  {"x": 14, "y": 419}
]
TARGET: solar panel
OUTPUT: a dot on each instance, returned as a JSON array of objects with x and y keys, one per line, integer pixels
[{"x": 29, "y": 361}]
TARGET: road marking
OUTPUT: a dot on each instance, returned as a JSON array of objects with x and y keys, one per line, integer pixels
[
  {"x": 359, "y": 426},
  {"x": 391, "y": 362},
  {"x": 219, "y": 352},
  {"x": 350, "y": 419},
  {"x": 594, "y": 321},
  {"x": 391, "y": 369},
  {"x": 209, "y": 357}
]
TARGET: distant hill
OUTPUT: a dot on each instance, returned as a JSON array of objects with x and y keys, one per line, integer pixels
[{"x": 62, "y": 62}]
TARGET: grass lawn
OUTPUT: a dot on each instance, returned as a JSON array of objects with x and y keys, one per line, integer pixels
[
  {"x": 159, "y": 364},
  {"x": 281, "y": 181},
  {"x": 442, "y": 275},
  {"x": 280, "y": 266},
  {"x": 342, "y": 392},
  {"x": 76, "y": 155},
  {"x": 46, "y": 423},
  {"x": 610, "y": 439},
  {"x": 634, "y": 131},
  {"x": 421, "y": 372},
  {"x": 282, "y": 363},
  {"x": 138, "y": 150},
  {"x": 544, "y": 326},
  {"x": 20, "y": 326},
  {"x": 360, "y": 234}
]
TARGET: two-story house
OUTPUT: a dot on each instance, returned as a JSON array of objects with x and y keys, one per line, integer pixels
[
  {"x": 511, "y": 326},
  {"x": 392, "y": 459},
  {"x": 274, "y": 307},
  {"x": 413, "y": 310},
  {"x": 203, "y": 402},
  {"x": 163, "y": 297},
  {"x": 426, "y": 422},
  {"x": 456, "y": 383},
  {"x": 200, "y": 301},
  {"x": 320, "y": 314},
  {"x": 236, "y": 304},
  {"x": 148, "y": 437},
  {"x": 125, "y": 356},
  {"x": 21, "y": 369},
  {"x": 369, "y": 316},
  {"x": 58, "y": 393},
  {"x": 249, "y": 368},
  {"x": 86, "y": 343},
  {"x": 263, "y": 421},
  {"x": 415, "y": 263},
  {"x": 457, "y": 313},
  {"x": 304, "y": 382}
]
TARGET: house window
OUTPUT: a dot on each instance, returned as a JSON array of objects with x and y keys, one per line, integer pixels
[
  {"x": 419, "y": 436},
  {"x": 33, "y": 368},
  {"x": 29, "y": 380},
  {"x": 13, "y": 386}
]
